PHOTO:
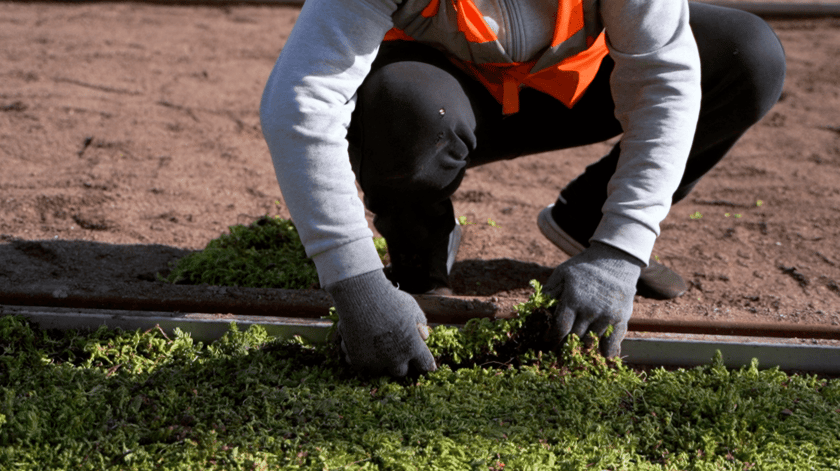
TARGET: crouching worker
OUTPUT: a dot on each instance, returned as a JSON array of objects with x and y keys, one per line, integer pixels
[{"x": 404, "y": 95}]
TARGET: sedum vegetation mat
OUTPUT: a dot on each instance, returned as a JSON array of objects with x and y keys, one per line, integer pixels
[
  {"x": 264, "y": 254},
  {"x": 143, "y": 400}
]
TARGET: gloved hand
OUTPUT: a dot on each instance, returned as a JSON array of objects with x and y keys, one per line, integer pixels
[
  {"x": 594, "y": 290},
  {"x": 381, "y": 327}
]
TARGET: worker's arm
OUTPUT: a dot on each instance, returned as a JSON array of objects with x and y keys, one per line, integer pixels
[
  {"x": 305, "y": 113},
  {"x": 656, "y": 89}
]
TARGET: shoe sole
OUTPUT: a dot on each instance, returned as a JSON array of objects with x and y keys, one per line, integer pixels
[
  {"x": 454, "y": 245},
  {"x": 556, "y": 235}
]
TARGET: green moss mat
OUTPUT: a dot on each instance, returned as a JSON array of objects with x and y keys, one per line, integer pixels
[
  {"x": 264, "y": 254},
  {"x": 140, "y": 400}
]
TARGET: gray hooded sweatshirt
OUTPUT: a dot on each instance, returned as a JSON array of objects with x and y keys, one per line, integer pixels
[{"x": 310, "y": 96}]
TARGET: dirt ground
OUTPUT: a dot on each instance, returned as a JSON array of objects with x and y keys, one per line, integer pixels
[{"x": 129, "y": 134}]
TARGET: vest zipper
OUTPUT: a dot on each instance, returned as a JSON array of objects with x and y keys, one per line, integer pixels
[{"x": 514, "y": 31}]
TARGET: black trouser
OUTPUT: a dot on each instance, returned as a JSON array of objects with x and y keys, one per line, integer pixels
[{"x": 420, "y": 122}]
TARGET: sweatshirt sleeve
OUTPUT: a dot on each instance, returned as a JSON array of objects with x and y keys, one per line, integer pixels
[
  {"x": 305, "y": 112},
  {"x": 656, "y": 89}
]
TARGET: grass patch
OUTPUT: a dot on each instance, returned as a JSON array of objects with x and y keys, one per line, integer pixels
[{"x": 142, "y": 400}]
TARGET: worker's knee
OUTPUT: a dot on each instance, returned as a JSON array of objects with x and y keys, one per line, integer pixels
[
  {"x": 742, "y": 61},
  {"x": 760, "y": 65},
  {"x": 415, "y": 133}
]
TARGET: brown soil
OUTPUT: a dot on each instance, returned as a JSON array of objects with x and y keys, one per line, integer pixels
[{"x": 129, "y": 134}]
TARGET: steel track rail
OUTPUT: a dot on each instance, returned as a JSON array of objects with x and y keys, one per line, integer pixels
[{"x": 314, "y": 304}]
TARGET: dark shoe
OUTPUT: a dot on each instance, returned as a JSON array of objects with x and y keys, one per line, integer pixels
[
  {"x": 660, "y": 282},
  {"x": 656, "y": 281},
  {"x": 424, "y": 271}
]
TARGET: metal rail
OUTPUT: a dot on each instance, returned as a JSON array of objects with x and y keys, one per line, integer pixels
[
  {"x": 314, "y": 304},
  {"x": 686, "y": 353}
]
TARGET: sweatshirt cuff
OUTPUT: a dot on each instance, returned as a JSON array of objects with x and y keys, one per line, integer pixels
[
  {"x": 626, "y": 234},
  {"x": 356, "y": 258}
]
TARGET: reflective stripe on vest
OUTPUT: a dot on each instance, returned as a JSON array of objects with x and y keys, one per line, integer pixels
[{"x": 457, "y": 27}]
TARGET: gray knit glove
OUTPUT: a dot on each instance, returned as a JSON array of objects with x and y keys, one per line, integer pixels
[
  {"x": 594, "y": 290},
  {"x": 382, "y": 329}
]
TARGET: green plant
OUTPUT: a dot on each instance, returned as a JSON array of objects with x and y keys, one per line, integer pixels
[
  {"x": 462, "y": 220},
  {"x": 264, "y": 254},
  {"x": 381, "y": 248}
]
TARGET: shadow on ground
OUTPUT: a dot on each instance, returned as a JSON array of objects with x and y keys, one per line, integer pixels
[{"x": 84, "y": 274}]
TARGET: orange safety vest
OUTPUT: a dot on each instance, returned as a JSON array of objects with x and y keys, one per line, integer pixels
[{"x": 457, "y": 27}]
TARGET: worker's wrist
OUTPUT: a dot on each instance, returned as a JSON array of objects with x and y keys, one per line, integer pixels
[
  {"x": 626, "y": 234},
  {"x": 347, "y": 261},
  {"x": 604, "y": 251}
]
